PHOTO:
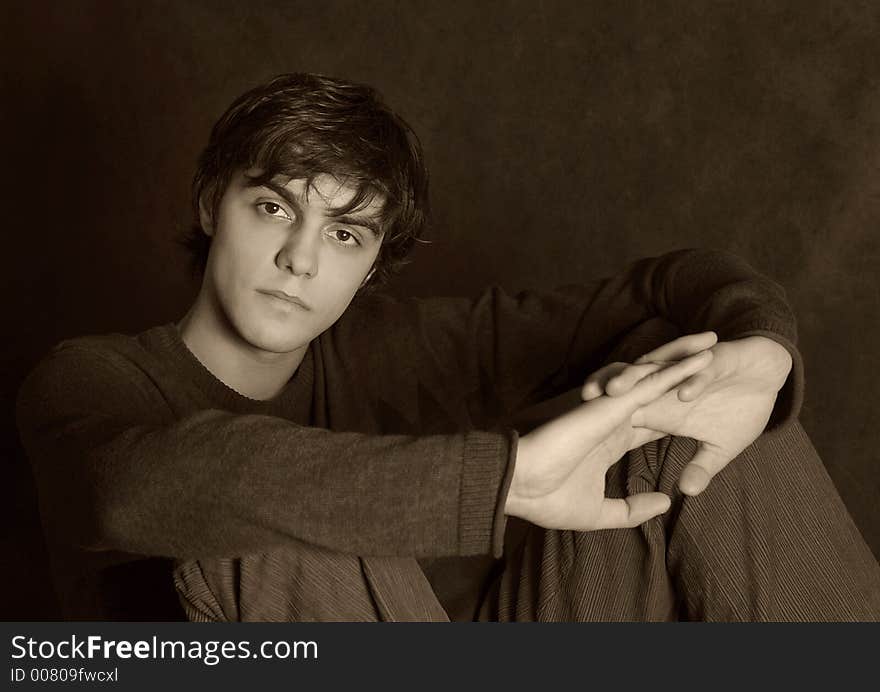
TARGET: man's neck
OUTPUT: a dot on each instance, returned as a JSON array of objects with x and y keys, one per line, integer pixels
[{"x": 250, "y": 371}]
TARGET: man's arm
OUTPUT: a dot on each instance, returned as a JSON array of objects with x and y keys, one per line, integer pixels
[
  {"x": 500, "y": 354},
  {"x": 116, "y": 472}
]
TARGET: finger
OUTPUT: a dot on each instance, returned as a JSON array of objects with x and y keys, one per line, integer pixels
[
  {"x": 594, "y": 385},
  {"x": 695, "y": 385},
  {"x": 657, "y": 384},
  {"x": 627, "y": 378},
  {"x": 682, "y": 347},
  {"x": 696, "y": 476},
  {"x": 631, "y": 511}
]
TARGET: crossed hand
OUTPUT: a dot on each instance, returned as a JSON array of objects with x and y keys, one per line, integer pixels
[{"x": 720, "y": 394}]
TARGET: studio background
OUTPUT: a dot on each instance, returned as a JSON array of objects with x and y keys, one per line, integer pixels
[{"x": 565, "y": 139}]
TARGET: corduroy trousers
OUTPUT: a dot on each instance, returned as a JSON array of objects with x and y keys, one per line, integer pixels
[{"x": 770, "y": 539}]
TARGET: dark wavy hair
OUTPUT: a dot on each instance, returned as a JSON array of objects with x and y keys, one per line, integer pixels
[{"x": 305, "y": 125}]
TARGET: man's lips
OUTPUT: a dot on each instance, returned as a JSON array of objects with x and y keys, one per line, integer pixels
[{"x": 287, "y": 297}]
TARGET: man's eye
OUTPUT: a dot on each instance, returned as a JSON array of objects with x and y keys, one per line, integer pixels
[
  {"x": 343, "y": 236},
  {"x": 273, "y": 209}
]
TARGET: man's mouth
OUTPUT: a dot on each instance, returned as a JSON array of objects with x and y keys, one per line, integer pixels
[{"x": 286, "y": 297}]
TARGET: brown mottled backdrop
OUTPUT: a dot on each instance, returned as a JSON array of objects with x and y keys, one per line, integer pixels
[{"x": 565, "y": 139}]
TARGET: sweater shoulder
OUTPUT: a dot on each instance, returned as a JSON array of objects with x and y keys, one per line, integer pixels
[
  {"x": 100, "y": 371},
  {"x": 113, "y": 351}
]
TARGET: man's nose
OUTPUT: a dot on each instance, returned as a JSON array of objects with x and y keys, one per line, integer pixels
[{"x": 299, "y": 255}]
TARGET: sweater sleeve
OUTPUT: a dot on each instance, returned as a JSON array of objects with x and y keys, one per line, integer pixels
[
  {"x": 115, "y": 472},
  {"x": 500, "y": 354}
]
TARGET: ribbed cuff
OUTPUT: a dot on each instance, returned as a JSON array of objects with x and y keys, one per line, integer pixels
[{"x": 485, "y": 478}]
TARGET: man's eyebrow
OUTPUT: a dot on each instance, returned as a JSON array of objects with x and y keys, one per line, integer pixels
[
  {"x": 363, "y": 221},
  {"x": 279, "y": 190}
]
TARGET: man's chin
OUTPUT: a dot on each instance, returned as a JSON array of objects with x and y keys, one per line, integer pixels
[{"x": 272, "y": 339}]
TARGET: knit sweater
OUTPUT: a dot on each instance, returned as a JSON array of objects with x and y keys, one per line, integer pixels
[{"x": 392, "y": 441}]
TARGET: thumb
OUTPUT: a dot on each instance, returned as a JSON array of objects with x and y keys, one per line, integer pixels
[
  {"x": 631, "y": 511},
  {"x": 707, "y": 462}
]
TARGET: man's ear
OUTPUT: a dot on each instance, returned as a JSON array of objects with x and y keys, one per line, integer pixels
[{"x": 206, "y": 218}]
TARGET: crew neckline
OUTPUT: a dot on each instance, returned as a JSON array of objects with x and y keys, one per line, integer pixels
[{"x": 169, "y": 339}]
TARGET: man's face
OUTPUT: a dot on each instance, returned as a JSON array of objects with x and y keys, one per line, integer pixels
[{"x": 284, "y": 239}]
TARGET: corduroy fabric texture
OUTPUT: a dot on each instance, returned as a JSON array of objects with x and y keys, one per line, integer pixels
[{"x": 769, "y": 540}]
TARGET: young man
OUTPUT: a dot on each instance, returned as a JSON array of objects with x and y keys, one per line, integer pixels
[{"x": 301, "y": 447}]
